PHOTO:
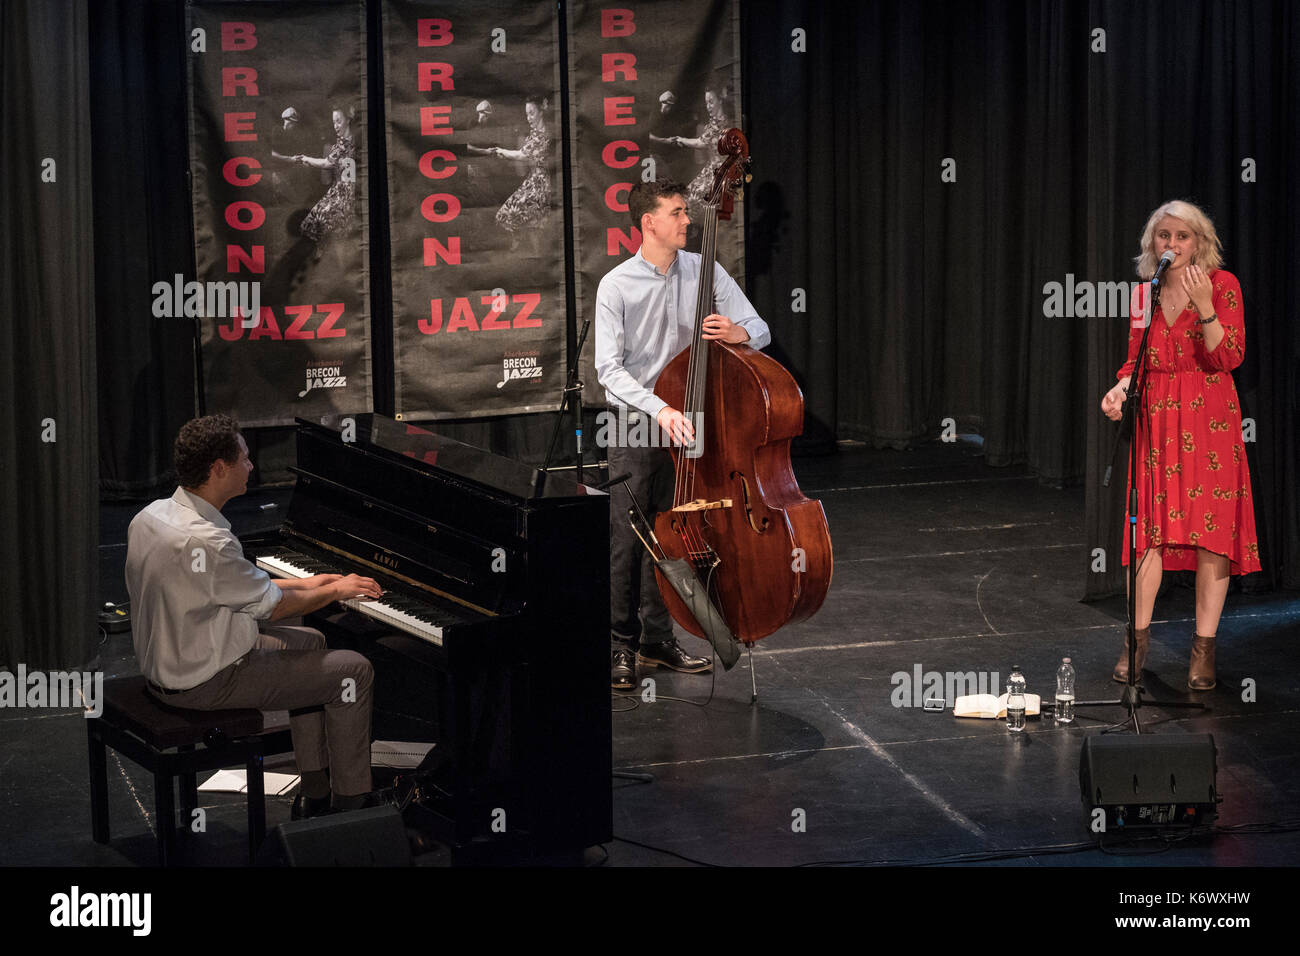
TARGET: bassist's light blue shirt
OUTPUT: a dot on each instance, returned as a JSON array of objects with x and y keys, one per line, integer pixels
[{"x": 645, "y": 317}]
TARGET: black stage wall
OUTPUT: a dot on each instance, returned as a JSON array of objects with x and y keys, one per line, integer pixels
[{"x": 922, "y": 171}]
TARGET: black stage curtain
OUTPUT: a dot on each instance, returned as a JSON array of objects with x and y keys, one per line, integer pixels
[
  {"x": 49, "y": 507},
  {"x": 142, "y": 236},
  {"x": 925, "y": 297},
  {"x": 922, "y": 300}
]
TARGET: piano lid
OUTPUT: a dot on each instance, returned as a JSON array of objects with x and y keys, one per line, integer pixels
[{"x": 439, "y": 453}]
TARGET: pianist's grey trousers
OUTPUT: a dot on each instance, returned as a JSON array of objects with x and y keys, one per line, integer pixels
[
  {"x": 327, "y": 694},
  {"x": 632, "y": 585}
]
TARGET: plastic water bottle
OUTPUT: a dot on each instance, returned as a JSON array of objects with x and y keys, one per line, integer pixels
[
  {"x": 1016, "y": 700},
  {"x": 1064, "y": 692}
]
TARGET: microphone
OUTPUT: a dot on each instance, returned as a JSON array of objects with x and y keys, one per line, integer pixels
[{"x": 1165, "y": 260}]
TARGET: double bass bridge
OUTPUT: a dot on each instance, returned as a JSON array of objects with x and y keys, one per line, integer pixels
[{"x": 700, "y": 504}]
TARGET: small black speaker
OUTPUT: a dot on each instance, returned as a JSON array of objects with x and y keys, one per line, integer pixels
[
  {"x": 1145, "y": 781},
  {"x": 372, "y": 837}
]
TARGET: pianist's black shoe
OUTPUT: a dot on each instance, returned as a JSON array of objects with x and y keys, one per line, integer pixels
[
  {"x": 622, "y": 671},
  {"x": 388, "y": 797},
  {"x": 671, "y": 655},
  {"x": 304, "y": 808}
]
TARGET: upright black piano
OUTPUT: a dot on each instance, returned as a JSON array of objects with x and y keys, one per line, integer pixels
[{"x": 492, "y": 639}]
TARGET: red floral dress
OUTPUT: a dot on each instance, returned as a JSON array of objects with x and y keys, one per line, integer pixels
[{"x": 1193, "y": 483}]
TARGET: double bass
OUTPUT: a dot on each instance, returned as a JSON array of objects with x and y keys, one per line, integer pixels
[{"x": 760, "y": 547}]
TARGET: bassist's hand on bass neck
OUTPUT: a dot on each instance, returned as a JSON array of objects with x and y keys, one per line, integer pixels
[{"x": 720, "y": 327}]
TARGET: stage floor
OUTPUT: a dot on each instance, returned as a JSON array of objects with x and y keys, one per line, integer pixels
[{"x": 941, "y": 564}]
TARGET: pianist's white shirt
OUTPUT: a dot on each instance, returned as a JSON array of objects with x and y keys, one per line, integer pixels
[{"x": 195, "y": 599}]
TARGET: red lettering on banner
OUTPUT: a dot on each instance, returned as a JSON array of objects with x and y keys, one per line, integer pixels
[
  {"x": 267, "y": 326},
  {"x": 243, "y": 77},
  {"x": 256, "y": 215},
  {"x": 435, "y": 121},
  {"x": 616, "y": 238},
  {"x": 609, "y": 155},
  {"x": 618, "y": 111},
  {"x": 434, "y": 249},
  {"x": 430, "y": 207},
  {"x": 439, "y": 73},
  {"x": 426, "y": 163},
  {"x": 621, "y": 63},
  {"x": 254, "y": 260},
  {"x": 462, "y": 316},
  {"x": 230, "y": 171},
  {"x": 239, "y": 127},
  {"x": 432, "y": 32},
  {"x": 531, "y": 300},
  {"x": 493, "y": 320},
  {"x": 333, "y": 312},
  {"x": 433, "y": 324},
  {"x": 236, "y": 35},
  {"x": 295, "y": 329},
  {"x": 617, "y": 22},
  {"x": 612, "y": 201}
]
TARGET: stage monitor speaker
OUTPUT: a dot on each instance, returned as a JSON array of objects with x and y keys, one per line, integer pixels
[
  {"x": 1149, "y": 782},
  {"x": 372, "y": 837}
]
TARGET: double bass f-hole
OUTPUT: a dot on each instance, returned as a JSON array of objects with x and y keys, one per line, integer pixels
[{"x": 760, "y": 526}]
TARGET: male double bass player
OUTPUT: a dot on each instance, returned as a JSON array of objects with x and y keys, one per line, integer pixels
[{"x": 644, "y": 317}]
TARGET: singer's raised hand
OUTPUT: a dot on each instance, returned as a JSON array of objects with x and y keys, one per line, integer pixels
[{"x": 1198, "y": 288}]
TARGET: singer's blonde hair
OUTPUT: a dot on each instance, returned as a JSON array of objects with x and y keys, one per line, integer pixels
[{"x": 1209, "y": 251}]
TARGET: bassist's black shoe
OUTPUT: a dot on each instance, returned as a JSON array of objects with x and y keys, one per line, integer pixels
[{"x": 670, "y": 654}]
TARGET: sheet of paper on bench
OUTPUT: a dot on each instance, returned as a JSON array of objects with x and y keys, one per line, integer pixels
[
  {"x": 236, "y": 781},
  {"x": 994, "y": 708}
]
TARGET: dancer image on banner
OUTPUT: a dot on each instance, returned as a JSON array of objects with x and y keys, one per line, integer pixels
[
  {"x": 486, "y": 181},
  {"x": 524, "y": 212},
  {"x": 668, "y": 125},
  {"x": 329, "y": 215},
  {"x": 716, "y": 124},
  {"x": 292, "y": 184},
  {"x": 334, "y": 210}
]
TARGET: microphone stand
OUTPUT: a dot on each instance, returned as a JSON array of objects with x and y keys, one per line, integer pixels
[
  {"x": 572, "y": 390},
  {"x": 1131, "y": 420}
]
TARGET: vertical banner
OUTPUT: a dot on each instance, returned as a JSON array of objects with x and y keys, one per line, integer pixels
[
  {"x": 653, "y": 84},
  {"x": 476, "y": 214},
  {"x": 278, "y": 159}
]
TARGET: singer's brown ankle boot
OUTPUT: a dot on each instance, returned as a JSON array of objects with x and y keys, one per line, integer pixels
[
  {"x": 1200, "y": 673},
  {"x": 1143, "y": 642}
]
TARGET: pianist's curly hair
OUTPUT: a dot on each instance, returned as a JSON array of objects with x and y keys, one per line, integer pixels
[{"x": 200, "y": 442}]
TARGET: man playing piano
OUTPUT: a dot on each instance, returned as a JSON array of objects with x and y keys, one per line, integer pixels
[
  {"x": 202, "y": 633},
  {"x": 644, "y": 318}
]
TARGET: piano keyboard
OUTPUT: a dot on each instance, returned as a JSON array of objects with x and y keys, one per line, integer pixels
[{"x": 392, "y": 609}]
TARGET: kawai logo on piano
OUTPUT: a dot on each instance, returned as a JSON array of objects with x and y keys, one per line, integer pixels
[
  {"x": 519, "y": 365},
  {"x": 386, "y": 559},
  {"x": 329, "y": 376}
]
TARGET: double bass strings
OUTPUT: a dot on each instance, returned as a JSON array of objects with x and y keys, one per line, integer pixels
[{"x": 697, "y": 369}]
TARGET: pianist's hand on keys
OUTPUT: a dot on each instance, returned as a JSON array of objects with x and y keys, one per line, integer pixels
[{"x": 353, "y": 586}]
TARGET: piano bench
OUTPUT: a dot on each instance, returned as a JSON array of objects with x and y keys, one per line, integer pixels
[{"x": 165, "y": 741}]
